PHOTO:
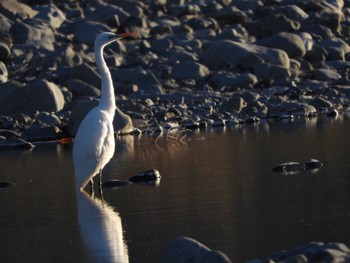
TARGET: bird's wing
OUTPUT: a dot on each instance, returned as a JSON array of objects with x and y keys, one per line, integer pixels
[{"x": 93, "y": 144}]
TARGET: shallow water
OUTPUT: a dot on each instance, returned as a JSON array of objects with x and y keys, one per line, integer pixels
[{"x": 216, "y": 187}]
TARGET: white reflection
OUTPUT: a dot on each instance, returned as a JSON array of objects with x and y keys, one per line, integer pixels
[{"x": 101, "y": 229}]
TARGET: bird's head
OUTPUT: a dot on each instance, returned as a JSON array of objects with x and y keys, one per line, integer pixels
[{"x": 106, "y": 38}]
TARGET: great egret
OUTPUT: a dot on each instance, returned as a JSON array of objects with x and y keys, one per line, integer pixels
[{"x": 94, "y": 142}]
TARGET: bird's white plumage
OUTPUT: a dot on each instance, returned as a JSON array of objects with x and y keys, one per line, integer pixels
[
  {"x": 94, "y": 143},
  {"x": 93, "y": 146}
]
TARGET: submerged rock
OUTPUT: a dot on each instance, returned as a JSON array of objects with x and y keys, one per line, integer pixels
[
  {"x": 151, "y": 176},
  {"x": 185, "y": 249},
  {"x": 15, "y": 144},
  {"x": 5, "y": 185},
  {"x": 290, "y": 167}
]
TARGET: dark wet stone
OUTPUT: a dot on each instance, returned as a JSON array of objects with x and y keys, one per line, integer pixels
[
  {"x": 288, "y": 167},
  {"x": 148, "y": 177},
  {"x": 6, "y": 185},
  {"x": 42, "y": 133},
  {"x": 312, "y": 164},
  {"x": 194, "y": 251},
  {"x": 296, "y": 166},
  {"x": 15, "y": 144},
  {"x": 114, "y": 183}
]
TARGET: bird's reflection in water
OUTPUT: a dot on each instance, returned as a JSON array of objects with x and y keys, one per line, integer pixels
[{"x": 101, "y": 229}]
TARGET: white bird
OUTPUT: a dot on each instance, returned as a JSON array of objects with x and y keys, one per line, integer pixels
[{"x": 94, "y": 142}]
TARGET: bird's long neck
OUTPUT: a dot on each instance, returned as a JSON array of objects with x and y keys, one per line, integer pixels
[{"x": 107, "y": 101}]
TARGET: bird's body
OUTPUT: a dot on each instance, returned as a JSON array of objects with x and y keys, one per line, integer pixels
[{"x": 94, "y": 143}]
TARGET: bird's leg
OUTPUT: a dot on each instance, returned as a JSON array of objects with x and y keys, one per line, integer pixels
[
  {"x": 100, "y": 186},
  {"x": 100, "y": 174}
]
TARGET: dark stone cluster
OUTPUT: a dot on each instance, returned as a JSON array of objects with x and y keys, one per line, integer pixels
[{"x": 196, "y": 64}]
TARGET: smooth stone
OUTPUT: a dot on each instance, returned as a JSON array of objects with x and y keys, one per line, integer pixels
[
  {"x": 326, "y": 74},
  {"x": 234, "y": 104},
  {"x": 8, "y": 123},
  {"x": 337, "y": 48},
  {"x": 52, "y": 14},
  {"x": 15, "y": 144},
  {"x": 317, "y": 30},
  {"x": 317, "y": 55},
  {"x": 108, "y": 14},
  {"x": 5, "y": 48},
  {"x": 41, "y": 95},
  {"x": 290, "y": 108},
  {"x": 320, "y": 102},
  {"x": 312, "y": 164},
  {"x": 288, "y": 167},
  {"x": 307, "y": 40},
  {"x": 15, "y": 9},
  {"x": 291, "y": 43},
  {"x": 293, "y": 12},
  {"x": 269, "y": 73},
  {"x": 9, "y": 134},
  {"x": 185, "y": 249},
  {"x": 271, "y": 24},
  {"x": 189, "y": 70},
  {"x": 150, "y": 177},
  {"x": 5, "y": 24},
  {"x": 93, "y": 28},
  {"x": 87, "y": 74},
  {"x": 243, "y": 55},
  {"x": 81, "y": 88},
  {"x": 47, "y": 119},
  {"x": 223, "y": 78},
  {"x": 147, "y": 82},
  {"x": 176, "y": 56},
  {"x": 3, "y": 73},
  {"x": 5, "y": 185},
  {"x": 161, "y": 45},
  {"x": 41, "y": 133},
  {"x": 34, "y": 33}
]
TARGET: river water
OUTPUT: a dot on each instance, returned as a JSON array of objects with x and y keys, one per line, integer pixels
[{"x": 216, "y": 187}]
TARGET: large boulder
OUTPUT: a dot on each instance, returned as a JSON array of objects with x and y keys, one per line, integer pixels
[
  {"x": 52, "y": 14},
  {"x": 244, "y": 56},
  {"x": 189, "y": 70},
  {"x": 35, "y": 33},
  {"x": 41, "y": 95},
  {"x": 291, "y": 43}
]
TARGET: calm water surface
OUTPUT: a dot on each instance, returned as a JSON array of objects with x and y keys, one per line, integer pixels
[{"x": 216, "y": 187}]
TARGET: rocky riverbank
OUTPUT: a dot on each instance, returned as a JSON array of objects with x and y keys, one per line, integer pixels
[
  {"x": 185, "y": 249},
  {"x": 197, "y": 63}
]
